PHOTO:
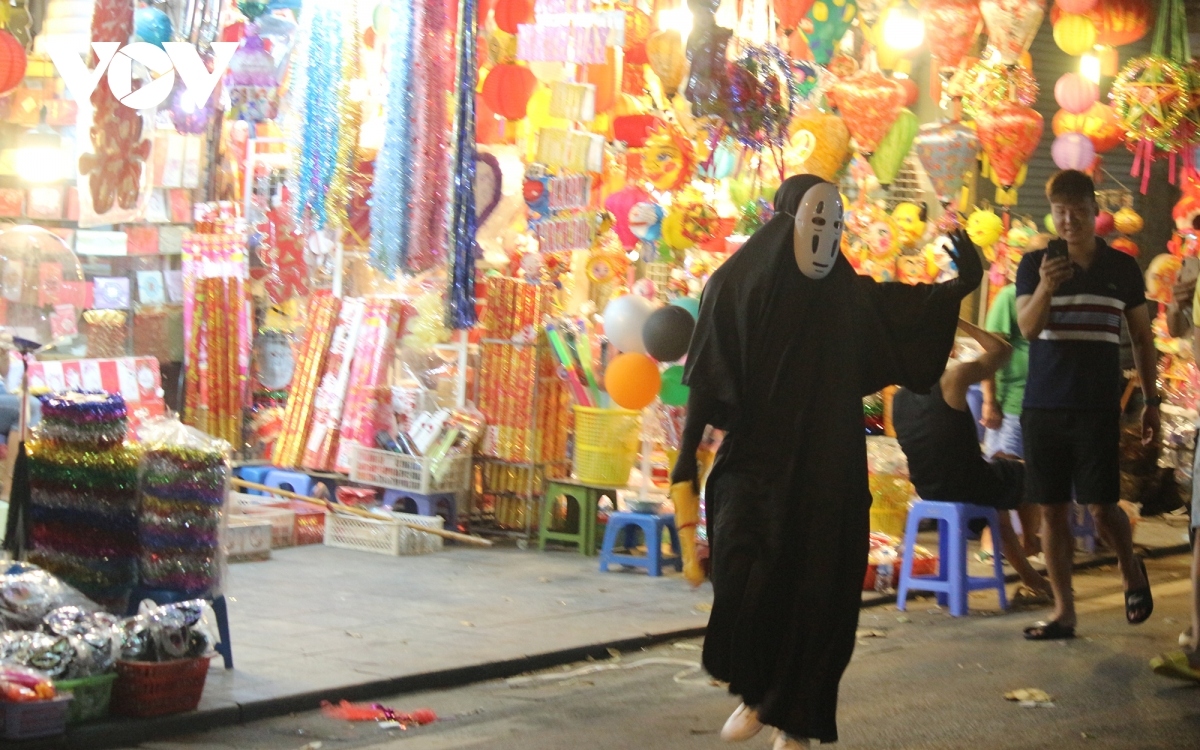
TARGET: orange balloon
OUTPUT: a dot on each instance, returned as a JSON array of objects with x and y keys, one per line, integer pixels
[{"x": 633, "y": 381}]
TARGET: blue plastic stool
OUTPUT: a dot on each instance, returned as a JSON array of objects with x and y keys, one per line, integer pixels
[
  {"x": 1083, "y": 526},
  {"x": 256, "y": 474},
  {"x": 292, "y": 481},
  {"x": 652, "y": 528},
  {"x": 444, "y": 504},
  {"x": 975, "y": 405},
  {"x": 952, "y": 582},
  {"x": 220, "y": 609}
]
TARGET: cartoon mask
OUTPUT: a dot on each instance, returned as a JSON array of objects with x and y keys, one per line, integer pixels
[
  {"x": 908, "y": 220},
  {"x": 667, "y": 159},
  {"x": 818, "y": 230}
]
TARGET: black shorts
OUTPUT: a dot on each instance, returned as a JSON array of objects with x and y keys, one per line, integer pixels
[{"x": 1072, "y": 453}]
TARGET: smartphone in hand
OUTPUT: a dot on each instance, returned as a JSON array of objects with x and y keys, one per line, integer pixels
[{"x": 1056, "y": 249}]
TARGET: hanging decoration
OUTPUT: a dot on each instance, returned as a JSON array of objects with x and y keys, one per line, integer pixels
[
  {"x": 665, "y": 53},
  {"x": 461, "y": 304},
  {"x": 253, "y": 84},
  {"x": 1012, "y": 25},
  {"x": 1075, "y": 94},
  {"x": 1009, "y": 135},
  {"x": 830, "y": 19},
  {"x": 12, "y": 62},
  {"x": 868, "y": 103},
  {"x": 987, "y": 85},
  {"x": 507, "y": 90},
  {"x": 706, "y": 44},
  {"x": 1117, "y": 22},
  {"x": 947, "y": 152},
  {"x": 820, "y": 144},
  {"x": 760, "y": 100},
  {"x": 1099, "y": 123},
  {"x": 1074, "y": 34},
  {"x": 893, "y": 149},
  {"x": 391, "y": 211},
  {"x": 326, "y": 120},
  {"x": 1073, "y": 151},
  {"x": 789, "y": 14}
]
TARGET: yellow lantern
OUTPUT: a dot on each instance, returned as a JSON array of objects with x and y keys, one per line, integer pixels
[
  {"x": 664, "y": 49},
  {"x": 1128, "y": 221},
  {"x": 819, "y": 144},
  {"x": 984, "y": 228},
  {"x": 1074, "y": 33}
]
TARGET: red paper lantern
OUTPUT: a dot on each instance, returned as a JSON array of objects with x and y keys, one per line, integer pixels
[
  {"x": 1117, "y": 22},
  {"x": 954, "y": 24},
  {"x": 12, "y": 62},
  {"x": 1075, "y": 94},
  {"x": 869, "y": 104},
  {"x": 789, "y": 13},
  {"x": 1125, "y": 245},
  {"x": 512, "y": 13},
  {"x": 1099, "y": 123},
  {"x": 1009, "y": 134},
  {"x": 1104, "y": 223},
  {"x": 634, "y": 129},
  {"x": 507, "y": 90}
]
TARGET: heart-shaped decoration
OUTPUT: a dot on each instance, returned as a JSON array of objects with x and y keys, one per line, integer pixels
[{"x": 869, "y": 103}]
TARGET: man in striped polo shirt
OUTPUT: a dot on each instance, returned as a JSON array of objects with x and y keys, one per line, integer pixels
[{"x": 1071, "y": 298}]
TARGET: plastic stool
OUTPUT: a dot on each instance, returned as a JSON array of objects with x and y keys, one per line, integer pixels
[
  {"x": 952, "y": 582},
  {"x": 292, "y": 481},
  {"x": 220, "y": 609},
  {"x": 1083, "y": 527},
  {"x": 426, "y": 505},
  {"x": 256, "y": 474},
  {"x": 975, "y": 406},
  {"x": 652, "y": 528},
  {"x": 586, "y": 499}
]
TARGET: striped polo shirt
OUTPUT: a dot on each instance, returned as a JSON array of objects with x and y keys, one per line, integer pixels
[{"x": 1075, "y": 361}]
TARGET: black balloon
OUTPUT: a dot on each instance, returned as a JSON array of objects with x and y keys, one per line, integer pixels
[{"x": 667, "y": 333}]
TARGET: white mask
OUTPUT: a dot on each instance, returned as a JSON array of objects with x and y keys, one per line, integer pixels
[{"x": 818, "y": 230}]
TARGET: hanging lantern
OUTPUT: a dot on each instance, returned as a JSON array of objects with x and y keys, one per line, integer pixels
[
  {"x": 819, "y": 144},
  {"x": 1117, "y": 22},
  {"x": 789, "y": 13},
  {"x": 507, "y": 90},
  {"x": 1151, "y": 95},
  {"x": 1075, "y": 6},
  {"x": 890, "y": 153},
  {"x": 253, "y": 82},
  {"x": 869, "y": 104},
  {"x": 1099, "y": 124},
  {"x": 1126, "y": 245},
  {"x": 1074, "y": 33},
  {"x": 1104, "y": 223},
  {"x": 510, "y": 14},
  {"x": 987, "y": 85},
  {"x": 1009, "y": 135},
  {"x": 12, "y": 62},
  {"x": 1128, "y": 221},
  {"x": 830, "y": 19},
  {"x": 664, "y": 50},
  {"x": 984, "y": 227},
  {"x": 1012, "y": 25},
  {"x": 1075, "y": 94},
  {"x": 1073, "y": 151},
  {"x": 948, "y": 152},
  {"x": 954, "y": 24}
]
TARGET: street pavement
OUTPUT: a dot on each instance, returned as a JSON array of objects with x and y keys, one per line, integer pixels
[{"x": 919, "y": 679}]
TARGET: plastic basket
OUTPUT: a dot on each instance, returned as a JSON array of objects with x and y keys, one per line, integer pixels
[
  {"x": 92, "y": 696},
  {"x": 606, "y": 445},
  {"x": 379, "y": 536},
  {"x": 241, "y": 502},
  {"x": 283, "y": 524},
  {"x": 410, "y": 473},
  {"x": 889, "y": 503},
  {"x": 145, "y": 689},
  {"x": 26, "y": 721}
]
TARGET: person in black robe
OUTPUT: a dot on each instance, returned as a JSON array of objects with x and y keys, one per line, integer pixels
[{"x": 788, "y": 342}]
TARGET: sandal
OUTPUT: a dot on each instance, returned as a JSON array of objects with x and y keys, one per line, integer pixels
[
  {"x": 1139, "y": 603},
  {"x": 1027, "y": 597},
  {"x": 1174, "y": 664},
  {"x": 1049, "y": 631}
]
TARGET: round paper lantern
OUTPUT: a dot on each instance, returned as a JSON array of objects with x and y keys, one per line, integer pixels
[
  {"x": 509, "y": 14},
  {"x": 954, "y": 24},
  {"x": 1128, "y": 221},
  {"x": 948, "y": 152},
  {"x": 624, "y": 318},
  {"x": 1075, "y": 6},
  {"x": 1104, "y": 223},
  {"x": 507, "y": 90},
  {"x": 1012, "y": 25},
  {"x": 152, "y": 25},
  {"x": 665, "y": 52},
  {"x": 1161, "y": 275},
  {"x": 1117, "y": 22},
  {"x": 667, "y": 333},
  {"x": 1099, "y": 124},
  {"x": 984, "y": 227},
  {"x": 819, "y": 144},
  {"x": 12, "y": 62},
  {"x": 869, "y": 103},
  {"x": 1009, "y": 134},
  {"x": 889, "y": 154},
  {"x": 1074, "y": 33},
  {"x": 911, "y": 92},
  {"x": 1075, "y": 94},
  {"x": 1125, "y": 245},
  {"x": 674, "y": 392},
  {"x": 1073, "y": 151},
  {"x": 632, "y": 381}
]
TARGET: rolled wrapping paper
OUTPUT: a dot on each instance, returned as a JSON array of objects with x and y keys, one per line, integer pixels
[
  {"x": 687, "y": 517},
  {"x": 309, "y": 366}
]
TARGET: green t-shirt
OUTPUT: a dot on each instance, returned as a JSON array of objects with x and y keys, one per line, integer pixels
[{"x": 1010, "y": 379}]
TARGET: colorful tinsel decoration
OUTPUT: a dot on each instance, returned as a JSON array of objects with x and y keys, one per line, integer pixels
[
  {"x": 83, "y": 496},
  {"x": 461, "y": 301},
  {"x": 326, "y": 122}
]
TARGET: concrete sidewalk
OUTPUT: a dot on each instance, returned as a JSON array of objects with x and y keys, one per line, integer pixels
[{"x": 317, "y": 623}]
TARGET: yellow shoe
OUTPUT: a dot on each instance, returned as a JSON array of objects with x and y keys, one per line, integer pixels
[{"x": 1174, "y": 664}]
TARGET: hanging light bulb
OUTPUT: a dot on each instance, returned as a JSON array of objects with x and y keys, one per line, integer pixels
[
  {"x": 903, "y": 29},
  {"x": 39, "y": 156},
  {"x": 1089, "y": 67}
]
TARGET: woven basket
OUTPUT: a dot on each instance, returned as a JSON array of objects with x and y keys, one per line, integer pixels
[
  {"x": 92, "y": 697},
  {"x": 145, "y": 689}
]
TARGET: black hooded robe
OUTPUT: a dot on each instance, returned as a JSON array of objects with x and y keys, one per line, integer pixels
[{"x": 782, "y": 363}]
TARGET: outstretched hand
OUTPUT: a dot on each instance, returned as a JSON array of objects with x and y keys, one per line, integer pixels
[{"x": 966, "y": 260}]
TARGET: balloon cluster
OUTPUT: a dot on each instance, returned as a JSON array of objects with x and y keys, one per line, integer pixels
[{"x": 647, "y": 336}]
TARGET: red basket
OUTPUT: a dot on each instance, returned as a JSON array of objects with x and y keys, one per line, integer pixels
[{"x": 146, "y": 689}]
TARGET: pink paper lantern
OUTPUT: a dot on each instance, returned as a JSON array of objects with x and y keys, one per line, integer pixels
[
  {"x": 1104, "y": 223},
  {"x": 1075, "y": 94},
  {"x": 1076, "y": 6},
  {"x": 1073, "y": 151}
]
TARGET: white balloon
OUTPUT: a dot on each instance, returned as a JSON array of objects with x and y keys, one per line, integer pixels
[{"x": 624, "y": 318}]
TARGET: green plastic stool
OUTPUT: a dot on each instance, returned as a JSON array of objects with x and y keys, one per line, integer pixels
[{"x": 587, "y": 502}]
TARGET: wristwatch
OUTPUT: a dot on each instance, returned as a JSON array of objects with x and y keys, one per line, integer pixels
[{"x": 1155, "y": 401}]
